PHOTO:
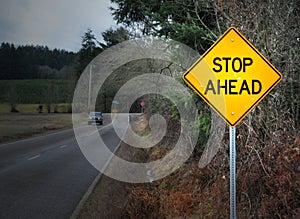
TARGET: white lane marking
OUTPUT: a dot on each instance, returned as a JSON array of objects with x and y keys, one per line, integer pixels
[
  {"x": 63, "y": 146},
  {"x": 94, "y": 132},
  {"x": 34, "y": 157}
]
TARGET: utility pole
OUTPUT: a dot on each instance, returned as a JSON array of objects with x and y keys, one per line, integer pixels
[{"x": 90, "y": 84}]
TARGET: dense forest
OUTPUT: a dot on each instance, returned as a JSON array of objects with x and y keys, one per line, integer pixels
[
  {"x": 40, "y": 62},
  {"x": 33, "y": 62}
]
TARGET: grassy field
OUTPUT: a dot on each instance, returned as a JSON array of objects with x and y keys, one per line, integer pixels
[
  {"x": 15, "y": 126},
  {"x": 36, "y": 91},
  {"x": 33, "y": 108}
]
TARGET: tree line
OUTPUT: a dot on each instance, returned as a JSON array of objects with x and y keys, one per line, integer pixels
[
  {"x": 32, "y": 62},
  {"x": 40, "y": 62}
]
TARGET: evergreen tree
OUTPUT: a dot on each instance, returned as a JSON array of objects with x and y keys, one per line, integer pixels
[
  {"x": 89, "y": 50},
  {"x": 113, "y": 37},
  {"x": 191, "y": 22}
]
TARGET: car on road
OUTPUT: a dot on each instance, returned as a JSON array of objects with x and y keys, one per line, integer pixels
[{"x": 95, "y": 117}]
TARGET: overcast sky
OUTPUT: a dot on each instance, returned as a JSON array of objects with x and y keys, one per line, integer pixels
[{"x": 55, "y": 23}]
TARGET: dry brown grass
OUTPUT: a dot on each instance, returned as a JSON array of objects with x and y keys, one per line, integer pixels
[
  {"x": 268, "y": 179},
  {"x": 14, "y": 126}
]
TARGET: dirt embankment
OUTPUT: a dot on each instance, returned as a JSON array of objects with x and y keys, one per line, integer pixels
[{"x": 268, "y": 185}]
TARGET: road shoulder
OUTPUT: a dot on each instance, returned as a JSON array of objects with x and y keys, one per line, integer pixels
[{"x": 107, "y": 197}]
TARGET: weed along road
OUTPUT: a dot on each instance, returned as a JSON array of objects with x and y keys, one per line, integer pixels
[{"x": 46, "y": 176}]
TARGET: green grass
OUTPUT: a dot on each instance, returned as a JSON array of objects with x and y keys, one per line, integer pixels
[
  {"x": 36, "y": 91},
  {"x": 5, "y": 108}
]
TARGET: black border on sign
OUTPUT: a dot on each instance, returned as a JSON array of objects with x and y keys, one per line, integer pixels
[{"x": 257, "y": 52}]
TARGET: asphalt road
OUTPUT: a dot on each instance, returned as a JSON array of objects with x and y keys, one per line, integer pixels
[{"x": 46, "y": 177}]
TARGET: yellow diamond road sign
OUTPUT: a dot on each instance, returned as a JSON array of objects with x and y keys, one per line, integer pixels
[{"x": 232, "y": 76}]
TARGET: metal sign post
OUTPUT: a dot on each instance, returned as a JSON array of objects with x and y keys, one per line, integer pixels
[{"x": 232, "y": 172}]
